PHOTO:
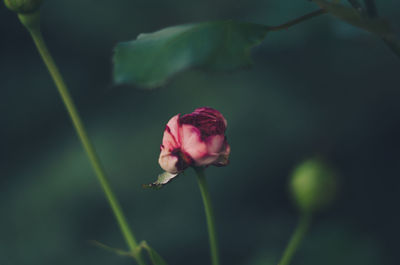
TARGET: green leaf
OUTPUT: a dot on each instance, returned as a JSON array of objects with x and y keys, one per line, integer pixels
[
  {"x": 151, "y": 59},
  {"x": 162, "y": 179},
  {"x": 155, "y": 258},
  {"x": 376, "y": 25}
]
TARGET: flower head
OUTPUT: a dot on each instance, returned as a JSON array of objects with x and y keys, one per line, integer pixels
[{"x": 196, "y": 139}]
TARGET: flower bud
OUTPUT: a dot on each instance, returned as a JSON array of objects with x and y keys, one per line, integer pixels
[
  {"x": 196, "y": 139},
  {"x": 23, "y": 6},
  {"x": 313, "y": 185}
]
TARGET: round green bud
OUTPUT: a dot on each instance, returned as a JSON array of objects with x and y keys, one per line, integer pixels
[
  {"x": 313, "y": 185},
  {"x": 23, "y": 6}
]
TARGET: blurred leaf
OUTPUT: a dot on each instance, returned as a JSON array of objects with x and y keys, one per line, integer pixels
[
  {"x": 152, "y": 58},
  {"x": 376, "y": 25},
  {"x": 162, "y": 179},
  {"x": 155, "y": 258}
]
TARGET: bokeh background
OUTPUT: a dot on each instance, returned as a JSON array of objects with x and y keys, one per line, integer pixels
[{"x": 322, "y": 87}]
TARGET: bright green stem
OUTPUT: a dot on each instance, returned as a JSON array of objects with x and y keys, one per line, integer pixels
[
  {"x": 32, "y": 23},
  {"x": 301, "y": 230},
  {"x": 209, "y": 215}
]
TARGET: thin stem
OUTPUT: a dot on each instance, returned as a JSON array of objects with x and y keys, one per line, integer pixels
[
  {"x": 32, "y": 23},
  {"x": 301, "y": 230},
  {"x": 298, "y": 20},
  {"x": 209, "y": 215}
]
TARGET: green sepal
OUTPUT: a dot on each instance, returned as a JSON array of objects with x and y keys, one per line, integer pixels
[{"x": 162, "y": 180}]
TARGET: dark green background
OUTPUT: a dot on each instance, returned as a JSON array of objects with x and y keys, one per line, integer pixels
[{"x": 322, "y": 87}]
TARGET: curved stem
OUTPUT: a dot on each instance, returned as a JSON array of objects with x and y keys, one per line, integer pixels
[
  {"x": 209, "y": 215},
  {"x": 301, "y": 230},
  {"x": 32, "y": 23},
  {"x": 298, "y": 20}
]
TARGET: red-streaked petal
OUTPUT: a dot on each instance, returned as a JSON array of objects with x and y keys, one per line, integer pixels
[
  {"x": 209, "y": 121},
  {"x": 212, "y": 113},
  {"x": 173, "y": 125},
  {"x": 171, "y": 139},
  {"x": 169, "y": 142}
]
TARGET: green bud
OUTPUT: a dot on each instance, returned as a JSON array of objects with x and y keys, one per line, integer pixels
[
  {"x": 313, "y": 185},
  {"x": 23, "y": 6}
]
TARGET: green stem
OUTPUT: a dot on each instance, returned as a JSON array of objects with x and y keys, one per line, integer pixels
[
  {"x": 209, "y": 215},
  {"x": 32, "y": 23},
  {"x": 301, "y": 230},
  {"x": 298, "y": 20}
]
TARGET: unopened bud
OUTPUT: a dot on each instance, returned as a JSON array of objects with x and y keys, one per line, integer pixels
[
  {"x": 23, "y": 6},
  {"x": 313, "y": 185}
]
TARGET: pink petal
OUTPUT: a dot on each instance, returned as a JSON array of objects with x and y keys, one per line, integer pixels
[
  {"x": 223, "y": 158},
  {"x": 227, "y": 149},
  {"x": 192, "y": 144},
  {"x": 207, "y": 160},
  {"x": 215, "y": 143}
]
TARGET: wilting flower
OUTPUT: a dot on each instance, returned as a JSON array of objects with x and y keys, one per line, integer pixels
[{"x": 196, "y": 139}]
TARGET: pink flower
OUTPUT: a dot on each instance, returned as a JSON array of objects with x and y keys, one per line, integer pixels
[{"x": 196, "y": 139}]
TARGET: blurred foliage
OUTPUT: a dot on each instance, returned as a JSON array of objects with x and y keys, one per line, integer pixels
[
  {"x": 152, "y": 58},
  {"x": 364, "y": 17},
  {"x": 322, "y": 87}
]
